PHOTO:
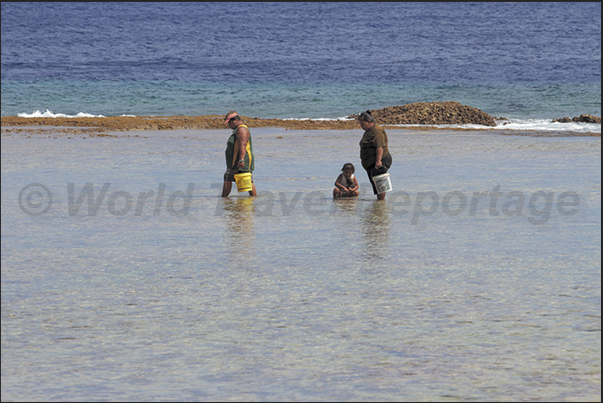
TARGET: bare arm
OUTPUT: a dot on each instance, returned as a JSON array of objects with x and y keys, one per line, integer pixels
[
  {"x": 339, "y": 185},
  {"x": 242, "y": 139},
  {"x": 379, "y": 156},
  {"x": 356, "y": 186}
]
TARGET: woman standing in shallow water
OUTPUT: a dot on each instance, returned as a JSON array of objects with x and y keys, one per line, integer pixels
[{"x": 374, "y": 153}]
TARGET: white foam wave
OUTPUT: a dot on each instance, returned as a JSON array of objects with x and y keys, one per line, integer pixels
[
  {"x": 49, "y": 114},
  {"x": 546, "y": 125},
  {"x": 320, "y": 119},
  {"x": 549, "y": 125},
  {"x": 542, "y": 125}
]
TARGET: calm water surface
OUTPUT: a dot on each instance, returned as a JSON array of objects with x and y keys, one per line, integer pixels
[{"x": 293, "y": 296}]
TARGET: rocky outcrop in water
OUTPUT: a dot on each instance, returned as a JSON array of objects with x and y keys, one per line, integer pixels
[
  {"x": 431, "y": 113},
  {"x": 585, "y": 118}
]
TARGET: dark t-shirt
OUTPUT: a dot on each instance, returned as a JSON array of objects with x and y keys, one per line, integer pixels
[{"x": 372, "y": 139}]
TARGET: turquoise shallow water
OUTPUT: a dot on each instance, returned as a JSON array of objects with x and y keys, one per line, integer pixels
[
  {"x": 525, "y": 103},
  {"x": 292, "y": 296}
]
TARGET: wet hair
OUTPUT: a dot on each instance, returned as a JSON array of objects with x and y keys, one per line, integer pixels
[
  {"x": 366, "y": 117},
  {"x": 348, "y": 165}
]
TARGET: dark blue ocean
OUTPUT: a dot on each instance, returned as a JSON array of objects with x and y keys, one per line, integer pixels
[{"x": 530, "y": 62}]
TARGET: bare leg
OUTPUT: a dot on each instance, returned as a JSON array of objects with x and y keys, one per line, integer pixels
[
  {"x": 226, "y": 188},
  {"x": 381, "y": 196},
  {"x": 253, "y": 191}
]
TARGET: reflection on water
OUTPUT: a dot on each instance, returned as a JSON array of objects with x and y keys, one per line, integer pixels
[
  {"x": 345, "y": 206},
  {"x": 238, "y": 215},
  {"x": 375, "y": 226}
]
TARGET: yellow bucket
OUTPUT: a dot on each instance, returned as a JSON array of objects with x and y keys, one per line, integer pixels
[{"x": 243, "y": 181}]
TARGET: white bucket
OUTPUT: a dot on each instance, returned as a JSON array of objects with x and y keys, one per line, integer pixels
[{"x": 382, "y": 183}]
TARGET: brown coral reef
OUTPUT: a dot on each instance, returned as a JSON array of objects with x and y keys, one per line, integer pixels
[
  {"x": 137, "y": 123},
  {"x": 432, "y": 113},
  {"x": 584, "y": 118},
  {"x": 420, "y": 113}
]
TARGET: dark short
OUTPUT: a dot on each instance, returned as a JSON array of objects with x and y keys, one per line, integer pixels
[
  {"x": 230, "y": 173},
  {"x": 386, "y": 162}
]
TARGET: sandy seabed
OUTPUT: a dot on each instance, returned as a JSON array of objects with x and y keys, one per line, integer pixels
[{"x": 138, "y": 302}]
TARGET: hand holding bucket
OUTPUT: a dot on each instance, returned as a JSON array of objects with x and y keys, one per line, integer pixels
[{"x": 381, "y": 179}]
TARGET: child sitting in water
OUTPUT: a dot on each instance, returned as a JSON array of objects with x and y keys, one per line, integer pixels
[{"x": 346, "y": 184}]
